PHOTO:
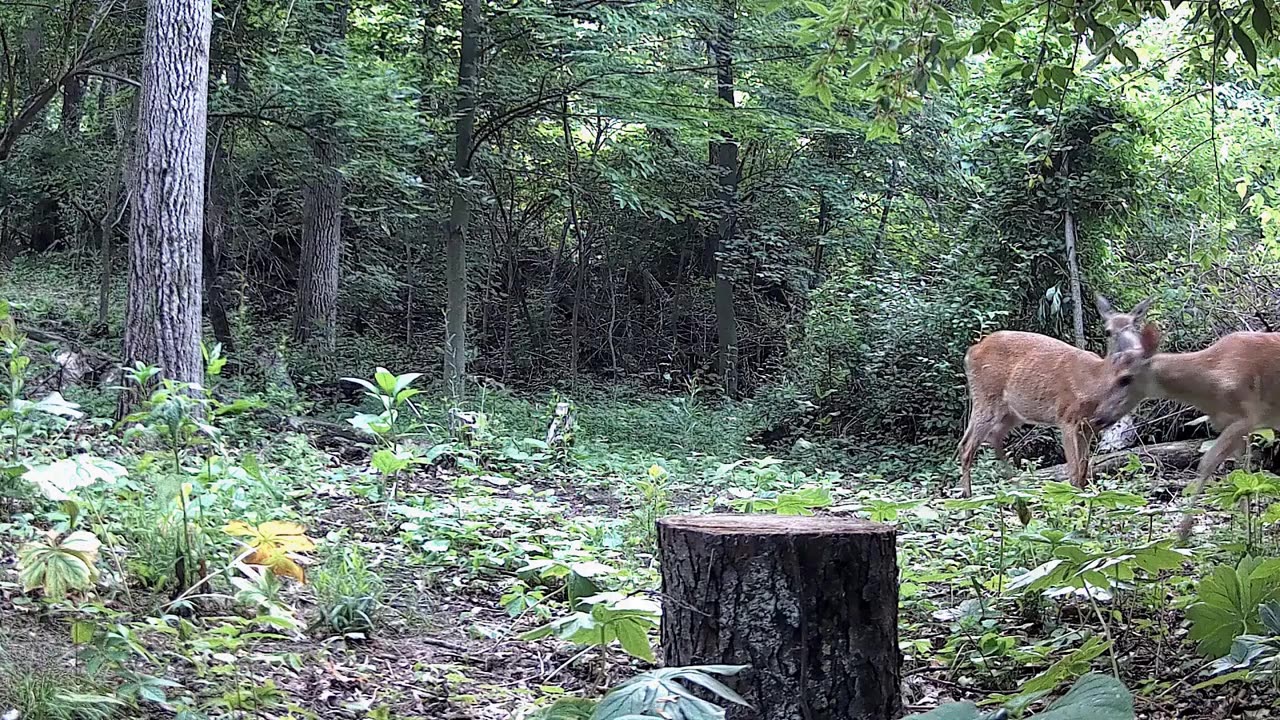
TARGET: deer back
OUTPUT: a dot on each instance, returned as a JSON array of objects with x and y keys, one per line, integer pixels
[{"x": 1036, "y": 378}]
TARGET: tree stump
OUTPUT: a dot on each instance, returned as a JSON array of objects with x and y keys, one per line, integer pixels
[{"x": 810, "y": 603}]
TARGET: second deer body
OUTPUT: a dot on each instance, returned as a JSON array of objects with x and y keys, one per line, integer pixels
[{"x": 1235, "y": 382}]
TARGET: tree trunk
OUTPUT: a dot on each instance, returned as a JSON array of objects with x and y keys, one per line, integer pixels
[
  {"x": 216, "y": 230},
  {"x": 810, "y": 604},
  {"x": 890, "y": 191},
  {"x": 455, "y": 331},
  {"x": 123, "y": 132},
  {"x": 1073, "y": 264},
  {"x": 162, "y": 324},
  {"x": 726, "y": 163},
  {"x": 315, "y": 318},
  {"x": 72, "y": 107}
]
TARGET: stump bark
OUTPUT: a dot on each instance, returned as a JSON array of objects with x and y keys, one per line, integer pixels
[{"x": 810, "y": 603}]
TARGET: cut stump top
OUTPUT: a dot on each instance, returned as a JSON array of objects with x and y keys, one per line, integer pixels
[{"x": 795, "y": 525}]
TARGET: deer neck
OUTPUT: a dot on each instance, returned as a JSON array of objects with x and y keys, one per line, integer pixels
[{"x": 1180, "y": 377}]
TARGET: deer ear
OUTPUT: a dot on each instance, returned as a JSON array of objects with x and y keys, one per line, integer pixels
[
  {"x": 1103, "y": 305},
  {"x": 1150, "y": 339},
  {"x": 1140, "y": 310}
]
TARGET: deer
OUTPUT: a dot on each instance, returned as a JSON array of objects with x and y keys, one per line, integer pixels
[
  {"x": 1235, "y": 382},
  {"x": 1018, "y": 378}
]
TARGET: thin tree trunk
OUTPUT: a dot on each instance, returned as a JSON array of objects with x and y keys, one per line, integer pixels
[
  {"x": 163, "y": 312},
  {"x": 824, "y": 224},
  {"x": 890, "y": 191},
  {"x": 217, "y": 228},
  {"x": 455, "y": 332},
  {"x": 726, "y": 162},
  {"x": 123, "y": 130},
  {"x": 1073, "y": 264}
]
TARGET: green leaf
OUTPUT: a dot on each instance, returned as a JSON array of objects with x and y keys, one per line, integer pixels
[
  {"x": 57, "y": 480},
  {"x": 657, "y": 693},
  {"x": 82, "y": 632},
  {"x": 1245, "y": 43},
  {"x": 1228, "y": 603},
  {"x": 566, "y": 709},
  {"x": 1262, "y": 22},
  {"x": 633, "y": 635}
]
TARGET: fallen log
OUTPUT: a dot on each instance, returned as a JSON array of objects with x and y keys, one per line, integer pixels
[{"x": 1178, "y": 455}]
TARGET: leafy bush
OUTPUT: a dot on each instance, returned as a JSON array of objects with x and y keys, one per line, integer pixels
[{"x": 884, "y": 355}]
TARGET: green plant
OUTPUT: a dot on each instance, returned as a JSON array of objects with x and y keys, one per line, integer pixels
[
  {"x": 54, "y": 695},
  {"x": 1245, "y": 491},
  {"x": 606, "y": 618},
  {"x": 348, "y": 593},
  {"x": 1093, "y": 697},
  {"x": 57, "y": 564},
  {"x": 655, "y": 693},
  {"x": 1227, "y": 603}
]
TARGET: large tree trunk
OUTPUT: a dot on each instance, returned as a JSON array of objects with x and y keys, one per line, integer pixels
[
  {"x": 455, "y": 331},
  {"x": 162, "y": 325},
  {"x": 315, "y": 318},
  {"x": 810, "y": 604},
  {"x": 726, "y": 164}
]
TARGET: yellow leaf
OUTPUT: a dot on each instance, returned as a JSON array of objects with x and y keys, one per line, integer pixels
[
  {"x": 240, "y": 528},
  {"x": 278, "y": 563},
  {"x": 285, "y": 535}
]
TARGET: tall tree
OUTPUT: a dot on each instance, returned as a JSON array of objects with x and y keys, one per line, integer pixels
[
  {"x": 727, "y": 172},
  {"x": 162, "y": 316},
  {"x": 455, "y": 331},
  {"x": 315, "y": 318}
]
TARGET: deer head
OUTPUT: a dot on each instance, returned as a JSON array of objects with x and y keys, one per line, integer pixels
[
  {"x": 1128, "y": 375},
  {"x": 1124, "y": 330}
]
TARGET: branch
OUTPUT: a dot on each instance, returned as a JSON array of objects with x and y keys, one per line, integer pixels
[{"x": 109, "y": 76}]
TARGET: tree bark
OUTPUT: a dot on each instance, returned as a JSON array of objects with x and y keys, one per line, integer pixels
[
  {"x": 315, "y": 318},
  {"x": 1073, "y": 264},
  {"x": 216, "y": 230},
  {"x": 810, "y": 604},
  {"x": 727, "y": 170},
  {"x": 123, "y": 132},
  {"x": 455, "y": 331},
  {"x": 163, "y": 311}
]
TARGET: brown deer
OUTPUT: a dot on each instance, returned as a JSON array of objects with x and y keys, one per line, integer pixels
[
  {"x": 1018, "y": 378},
  {"x": 1235, "y": 382}
]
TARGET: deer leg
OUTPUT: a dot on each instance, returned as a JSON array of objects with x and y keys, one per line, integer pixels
[
  {"x": 1233, "y": 438},
  {"x": 1084, "y": 455},
  {"x": 1071, "y": 452},
  {"x": 979, "y": 429},
  {"x": 996, "y": 439}
]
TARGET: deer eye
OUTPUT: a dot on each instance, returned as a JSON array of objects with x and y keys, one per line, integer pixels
[{"x": 1125, "y": 381}]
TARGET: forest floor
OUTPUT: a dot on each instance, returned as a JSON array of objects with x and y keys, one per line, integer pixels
[
  {"x": 446, "y": 648},
  {"x": 467, "y": 553}
]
